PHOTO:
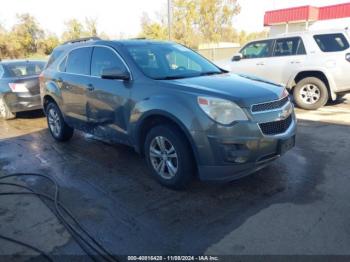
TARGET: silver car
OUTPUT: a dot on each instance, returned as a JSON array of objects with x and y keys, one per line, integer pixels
[
  {"x": 19, "y": 86},
  {"x": 313, "y": 65}
]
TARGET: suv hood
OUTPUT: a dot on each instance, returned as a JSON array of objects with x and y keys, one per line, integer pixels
[{"x": 242, "y": 89}]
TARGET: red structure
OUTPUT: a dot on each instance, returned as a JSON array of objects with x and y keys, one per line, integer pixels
[{"x": 306, "y": 14}]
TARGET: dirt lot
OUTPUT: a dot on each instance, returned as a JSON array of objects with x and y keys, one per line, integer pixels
[{"x": 298, "y": 205}]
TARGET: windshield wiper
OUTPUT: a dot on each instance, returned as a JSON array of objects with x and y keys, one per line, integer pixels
[
  {"x": 211, "y": 73},
  {"x": 171, "y": 77}
]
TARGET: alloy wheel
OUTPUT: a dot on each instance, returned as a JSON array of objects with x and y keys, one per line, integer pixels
[
  {"x": 310, "y": 94},
  {"x": 54, "y": 122},
  {"x": 163, "y": 157}
]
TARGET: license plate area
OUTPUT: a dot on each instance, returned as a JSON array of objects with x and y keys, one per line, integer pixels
[{"x": 285, "y": 145}]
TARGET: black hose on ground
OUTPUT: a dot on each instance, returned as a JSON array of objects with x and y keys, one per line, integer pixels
[
  {"x": 42, "y": 253},
  {"x": 83, "y": 243}
]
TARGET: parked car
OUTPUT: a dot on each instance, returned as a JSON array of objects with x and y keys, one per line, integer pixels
[
  {"x": 182, "y": 112},
  {"x": 19, "y": 86},
  {"x": 313, "y": 65}
]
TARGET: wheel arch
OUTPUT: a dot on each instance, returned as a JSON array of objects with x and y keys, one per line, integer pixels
[
  {"x": 156, "y": 117},
  {"x": 320, "y": 74},
  {"x": 46, "y": 100}
]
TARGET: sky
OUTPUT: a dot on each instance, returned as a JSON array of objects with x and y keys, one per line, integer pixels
[{"x": 122, "y": 17}]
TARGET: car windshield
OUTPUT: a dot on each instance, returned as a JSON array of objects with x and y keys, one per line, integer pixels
[
  {"x": 22, "y": 69},
  {"x": 170, "y": 61}
]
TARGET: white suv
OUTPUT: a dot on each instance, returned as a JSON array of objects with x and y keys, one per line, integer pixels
[{"x": 313, "y": 65}]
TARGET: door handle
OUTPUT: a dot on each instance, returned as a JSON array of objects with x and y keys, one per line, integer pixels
[
  {"x": 295, "y": 62},
  {"x": 90, "y": 87},
  {"x": 260, "y": 64}
]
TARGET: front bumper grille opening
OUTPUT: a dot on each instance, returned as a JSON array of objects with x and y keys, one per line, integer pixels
[
  {"x": 276, "y": 127},
  {"x": 270, "y": 105}
]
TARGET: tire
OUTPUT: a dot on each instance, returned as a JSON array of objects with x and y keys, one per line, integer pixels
[
  {"x": 5, "y": 112},
  {"x": 59, "y": 130},
  {"x": 178, "y": 162},
  {"x": 310, "y": 93}
]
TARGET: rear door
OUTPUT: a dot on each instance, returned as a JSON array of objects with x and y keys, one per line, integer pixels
[
  {"x": 74, "y": 80},
  {"x": 288, "y": 54},
  {"x": 107, "y": 98},
  {"x": 335, "y": 49},
  {"x": 254, "y": 57}
]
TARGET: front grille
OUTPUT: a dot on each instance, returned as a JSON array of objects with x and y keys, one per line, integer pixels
[
  {"x": 277, "y": 127},
  {"x": 270, "y": 105}
]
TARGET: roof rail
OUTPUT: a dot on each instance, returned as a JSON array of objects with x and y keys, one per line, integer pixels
[
  {"x": 84, "y": 39},
  {"x": 138, "y": 38}
]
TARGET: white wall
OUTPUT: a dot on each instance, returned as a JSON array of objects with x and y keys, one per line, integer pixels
[{"x": 318, "y": 25}]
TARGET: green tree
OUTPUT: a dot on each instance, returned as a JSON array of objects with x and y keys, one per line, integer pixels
[
  {"x": 215, "y": 16},
  {"x": 195, "y": 21},
  {"x": 153, "y": 30},
  {"x": 244, "y": 37},
  {"x": 91, "y": 26},
  {"x": 185, "y": 18},
  {"x": 47, "y": 44},
  {"x": 27, "y": 33},
  {"x": 74, "y": 30}
]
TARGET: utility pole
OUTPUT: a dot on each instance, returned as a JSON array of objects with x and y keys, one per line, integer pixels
[{"x": 169, "y": 18}]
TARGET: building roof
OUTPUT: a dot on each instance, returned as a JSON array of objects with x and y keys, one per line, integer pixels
[{"x": 306, "y": 13}]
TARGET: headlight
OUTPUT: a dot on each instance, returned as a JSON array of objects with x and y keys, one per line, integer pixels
[{"x": 220, "y": 110}]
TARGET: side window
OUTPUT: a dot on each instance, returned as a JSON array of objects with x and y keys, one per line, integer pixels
[
  {"x": 288, "y": 47},
  {"x": 78, "y": 61},
  {"x": 62, "y": 66},
  {"x": 103, "y": 58},
  {"x": 331, "y": 42},
  {"x": 257, "y": 49},
  {"x": 55, "y": 54}
]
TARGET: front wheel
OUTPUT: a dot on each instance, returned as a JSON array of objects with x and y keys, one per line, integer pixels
[
  {"x": 5, "y": 112},
  {"x": 169, "y": 156},
  {"x": 57, "y": 126},
  {"x": 310, "y": 93}
]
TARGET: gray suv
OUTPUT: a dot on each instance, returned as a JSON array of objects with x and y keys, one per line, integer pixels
[{"x": 186, "y": 115}]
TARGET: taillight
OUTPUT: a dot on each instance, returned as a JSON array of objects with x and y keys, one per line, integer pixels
[
  {"x": 347, "y": 57},
  {"x": 18, "y": 87}
]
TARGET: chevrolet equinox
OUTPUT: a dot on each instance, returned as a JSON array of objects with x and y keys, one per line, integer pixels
[{"x": 184, "y": 114}]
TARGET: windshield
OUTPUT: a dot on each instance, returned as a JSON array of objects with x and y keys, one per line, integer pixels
[
  {"x": 22, "y": 69},
  {"x": 170, "y": 61}
]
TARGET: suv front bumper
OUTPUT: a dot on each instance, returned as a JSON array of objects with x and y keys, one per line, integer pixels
[{"x": 224, "y": 157}]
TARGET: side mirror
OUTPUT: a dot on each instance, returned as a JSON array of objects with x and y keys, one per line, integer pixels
[
  {"x": 237, "y": 57},
  {"x": 115, "y": 73}
]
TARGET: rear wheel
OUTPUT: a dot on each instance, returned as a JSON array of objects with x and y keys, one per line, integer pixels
[
  {"x": 169, "y": 156},
  {"x": 57, "y": 126},
  {"x": 5, "y": 112},
  {"x": 310, "y": 93}
]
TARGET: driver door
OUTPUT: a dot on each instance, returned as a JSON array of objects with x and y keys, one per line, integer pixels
[
  {"x": 254, "y": 56},
  {"x": 107, "y": 98}
]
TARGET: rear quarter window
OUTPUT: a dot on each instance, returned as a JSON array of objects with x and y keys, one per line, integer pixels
[
  {"x": 78, "y": 61},
  {"x": 53, "y": 58},
  {"x": 331, "y": 42}
]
